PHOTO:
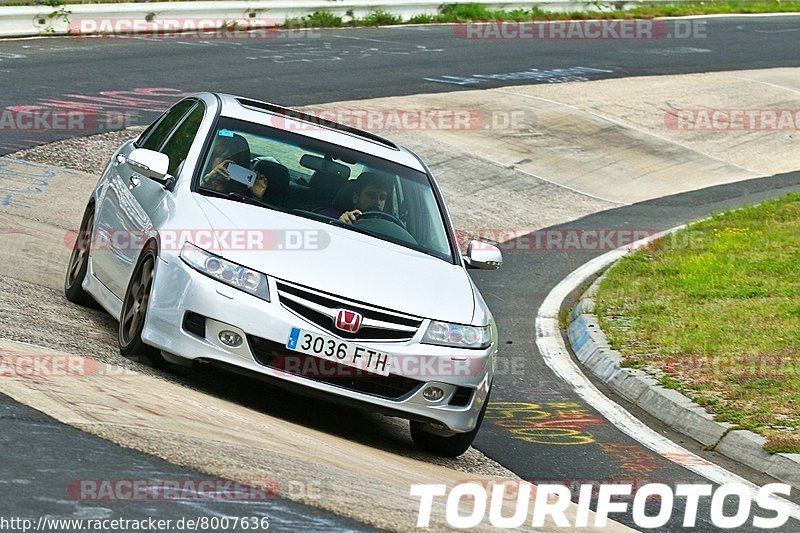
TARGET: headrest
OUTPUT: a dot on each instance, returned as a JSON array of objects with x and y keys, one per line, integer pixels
[
  {"x": 277, "y": 176},
  {"x": 236, "y": 147},
  {"x": 344, "y": 198}
]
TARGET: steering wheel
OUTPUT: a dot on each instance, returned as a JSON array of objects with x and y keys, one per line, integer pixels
[{"x": 381, "y": 214}]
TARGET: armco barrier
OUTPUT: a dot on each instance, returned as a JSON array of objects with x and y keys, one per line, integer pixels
[{"x": 27, "y": 21}]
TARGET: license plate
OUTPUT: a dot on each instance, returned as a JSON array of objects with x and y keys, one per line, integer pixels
[{"x": 339, "y": 351}]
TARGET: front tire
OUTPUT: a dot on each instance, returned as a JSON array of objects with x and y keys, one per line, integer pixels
[
  {"x": 451, "y": 446},
  {"x": 79, "y": 262},
  {"x": 134, "y": 310}
]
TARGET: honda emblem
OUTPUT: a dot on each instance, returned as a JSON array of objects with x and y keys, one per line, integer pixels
[{"x": 348, "y": 321}]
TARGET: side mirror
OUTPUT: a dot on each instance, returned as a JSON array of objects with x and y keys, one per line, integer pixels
[
  {"x": 483, "y": 256},
  {"x": 150, "y": 164}
]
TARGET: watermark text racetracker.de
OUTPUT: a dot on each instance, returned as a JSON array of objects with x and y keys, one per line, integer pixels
[
  {"x": 29, "y": 365},
  {"x": 471, "y": 504},
  {"x": 558, "y": 239},
  {"x": 719, "y": 119},
  {"x": 606, "y": 29},
  {"x": 196, "y": 523},
  {"x": 258, "y": 239},
  {"x": 217, "y": 240},
  {"x": 742, "y": 368},
  {"x": 35, "y": 119},
  {"x": 579, "y": 239},
  {"x": 206, "y": 28},
  {"x": 211, "y": 489},
  {"x": 417, "y": 366},
  {"x": 406, "y": 119}
]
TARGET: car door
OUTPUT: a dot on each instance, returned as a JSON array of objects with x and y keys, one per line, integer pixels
[{"x": 131, "y": 203}]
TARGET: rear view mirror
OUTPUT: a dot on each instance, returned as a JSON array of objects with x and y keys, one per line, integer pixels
[
  {"x": 150, "y": 164},
  {"x": 483, "y": 256},
  {"x": 327, "y": 166}
]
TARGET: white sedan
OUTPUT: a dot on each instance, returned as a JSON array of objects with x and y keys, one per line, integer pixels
[{"x": 307, "y": 253}]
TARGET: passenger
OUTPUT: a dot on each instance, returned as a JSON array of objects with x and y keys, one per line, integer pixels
[{"x": 227, "y": 150}]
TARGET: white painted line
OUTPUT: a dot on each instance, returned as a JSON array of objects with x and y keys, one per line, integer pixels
[
  {"x": 556, "y": 355},
  {"x": 515, "y": 168},
  {"x": 455, "y": 80},
  {"x": 788, "y": 30},
  {"x": 775, "y": 85},
  {"x": 612, "y": 120},
  {"x": 368, "y": 39}
]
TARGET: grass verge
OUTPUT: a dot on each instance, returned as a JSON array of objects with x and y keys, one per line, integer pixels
[
  {"x": 714, "y": 310},
  {"x": 449, "y": 13},
  {"x": 462, "y": 12}
]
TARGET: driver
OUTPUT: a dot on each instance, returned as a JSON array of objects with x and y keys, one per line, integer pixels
[{"x": 370, "y": 194}]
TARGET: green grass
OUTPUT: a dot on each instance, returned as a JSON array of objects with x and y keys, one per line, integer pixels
[
  {"x": 472, "y": 11},
  {"x": 716, "y": 307},
  {"x": 715, "y": 8},
  {"x": 460, "y": 13},
  {"x": 379, "y": 17},
  {"x": 317, "y": 19},
  {"x": 455, "y": 13}
]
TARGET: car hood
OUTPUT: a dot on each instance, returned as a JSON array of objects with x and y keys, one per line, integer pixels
[{"x": 343, "y": 263}]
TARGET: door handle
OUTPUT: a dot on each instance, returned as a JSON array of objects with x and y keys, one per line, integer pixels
[
  {"x": 120, "y": 160},
  {"x": 135, "y": 182}
]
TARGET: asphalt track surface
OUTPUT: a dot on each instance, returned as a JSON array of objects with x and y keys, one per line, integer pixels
[
  {"x": 42, "y": 456},
  {"x": 366, "y": 63},
  {"x": 318, "y": 66}
]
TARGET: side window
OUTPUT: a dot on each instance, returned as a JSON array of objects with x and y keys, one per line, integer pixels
[
  {"x": 177, "y": 147},
  {"x": 153, "y": 138}
]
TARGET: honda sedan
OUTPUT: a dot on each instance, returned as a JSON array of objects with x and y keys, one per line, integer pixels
[{"x": 305, "y": 252}]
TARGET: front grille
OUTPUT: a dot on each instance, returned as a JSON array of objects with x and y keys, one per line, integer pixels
[
  {"x": 276, "y": 355},
  {"x": 320, "y": 309}
]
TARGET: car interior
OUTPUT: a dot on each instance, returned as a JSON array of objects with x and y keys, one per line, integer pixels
[{"x": 314, "y": 183}]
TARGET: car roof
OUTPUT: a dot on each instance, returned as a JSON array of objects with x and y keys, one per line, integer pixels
[{"x": 259, "y": 112}]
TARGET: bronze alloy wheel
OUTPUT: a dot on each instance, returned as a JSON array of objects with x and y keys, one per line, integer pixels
[
  {"x": 134, "y": 311},
  {"x": 135, "y": 306},
  {"x": 79, "y": 262}
]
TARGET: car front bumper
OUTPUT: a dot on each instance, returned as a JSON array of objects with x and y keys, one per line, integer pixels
[{"x": 265, "y": 326}]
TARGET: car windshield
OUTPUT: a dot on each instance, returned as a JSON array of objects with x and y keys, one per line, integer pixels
[{"x": 332, "y": 184}]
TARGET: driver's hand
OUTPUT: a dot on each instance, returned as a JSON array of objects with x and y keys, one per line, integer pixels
[
  {"x": 259, "y": 186},
  {"x": 349, "y": 217}
]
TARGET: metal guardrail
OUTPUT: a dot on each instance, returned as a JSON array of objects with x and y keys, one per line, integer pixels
[
  {"x": 44, "y": 2},
  {"x": 24, "y": 21}
]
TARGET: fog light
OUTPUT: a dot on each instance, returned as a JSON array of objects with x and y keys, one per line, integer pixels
[
  {"x": 230, "y": 338},
  {"x": 433, "y": 394}
]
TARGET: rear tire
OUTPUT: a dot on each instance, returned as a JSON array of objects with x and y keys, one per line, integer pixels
[
  {"x": 79, "y": 262},
  {"x": 134, "y": 310},
  {"x": 451, "y": 446}
]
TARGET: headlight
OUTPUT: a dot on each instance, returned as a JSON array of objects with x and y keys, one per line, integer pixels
[
  {"x": 229, "y": 273},
  {"x": 457, "y": 335}
]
